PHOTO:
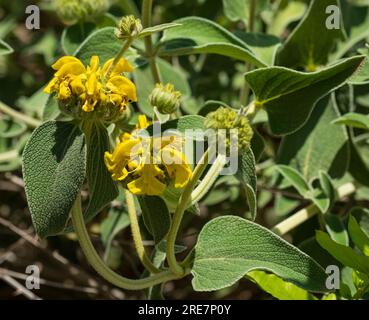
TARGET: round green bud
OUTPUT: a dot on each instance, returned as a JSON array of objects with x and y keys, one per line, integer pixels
[
  {"x": 165, "y": 99},
  {"x": 225, "y": 119},
  {"x": 129, "y": 26},
  {"x": 72, "y": 11}
]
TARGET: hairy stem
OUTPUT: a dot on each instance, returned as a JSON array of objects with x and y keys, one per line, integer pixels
[
  {"x": 178, "y": 214},
  {"x": 310, "y": 211},
  {"x": 251, "y": 24},
  {"x": 120, "y": 54},
  {"x": 97, "y": 263},
  {"x": 146, "y": 23},
  {"x": 30, "y": 122},
  {"x": 204, "y": 186},
  {"x": 136, "y": 234}
]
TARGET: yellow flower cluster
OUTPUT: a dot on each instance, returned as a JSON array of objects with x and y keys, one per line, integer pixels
[
  {"x": 92, "y": 88},
  {"x": 147, "y": 166}
]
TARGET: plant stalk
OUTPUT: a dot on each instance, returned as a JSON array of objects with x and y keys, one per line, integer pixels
[
  {"x": 136, "y": 234},
  {"x": 178, "y": 214},
  {"x": 310, "y": 211},
  {"x": 250, "y": 28},
  {"x": 120, "y": 54},
  {"x": 204, "y": 186},
  {"x": 30, "y": 122},
  {"x": 146, "y": 23},
  {"x": 97, "y": 263}
]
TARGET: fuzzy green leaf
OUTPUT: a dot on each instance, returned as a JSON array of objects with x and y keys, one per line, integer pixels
[
  {"x": 358, "y": 236},
  {"x": 279, "y": 288},
  {"x": 289, "y": 96},
  {"x": 346, "y": 255},
  {"x": 159, "y": 28},
  {"x": 156, "y": 216},
  {"x": 354, "y": 120},
  {"x": 229, "y": 247},
  {"x": 324, "y": 145},
  {"x": 199, "y": 35},
  {"x": 101, "y": 187},
  {"x": 336, "y": 229},
  {"x": 53, "y": 170},
  {"x": 247, "y": 176},
  {"x": 311, "y": 42}
]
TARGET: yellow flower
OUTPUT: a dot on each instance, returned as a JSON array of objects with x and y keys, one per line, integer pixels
[
  {"x": 147, "y": 166},
  {"x": 91, "y": 87}
]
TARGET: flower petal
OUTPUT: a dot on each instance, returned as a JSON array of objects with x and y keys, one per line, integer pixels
[
  {"x": 123, "y": 86},
  {"x": 65, "y": 60}
]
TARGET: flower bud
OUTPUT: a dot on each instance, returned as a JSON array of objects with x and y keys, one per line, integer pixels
[
  {"x": 72, "y": 11},
  {"x": 165, "y": 99},
  {"x": 129, "y": 26},
  {"x": 227, "y": 119}
]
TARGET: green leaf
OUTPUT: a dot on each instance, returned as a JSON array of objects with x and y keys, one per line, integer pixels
[
  {"x": 145, "y": 83},
  {"x": 295, "y": 178},
  {"x": 324, "y": 146},
  {"x": 34, "y": 104},
  {"x": 53, "y": 170},
  {"x": 182, "y": 124},
  {"x": 247, "y": 176},
  {"x": 357, "y": 27},
  {"x": 158, "y": 28},
  {"x": 279, "y": 288},
  {"x": 238, "y": 10},
  {"x": 199, "y": 35},
  {"x": 156, "y": 216},
  {"x": 51, "y": 108},
  {"x": 105, "y": 44},
  {"x": 10, "y": 128},
  {"x": 354, "y": 120},
  {"x": 358, "y": 168},
  {"x": 115, "y": 222},
  {"x": 257, "y": 145},
  {"x": 358, "y": 236},
  {"x": 362, "y": 217},
  {"x": 264, "y": 46},
  {"x": 5, "y": 48},
  {"x": 284, "y": 205},
  {"x": 346, "y": 255},
  {"x": 290, "y": 96},
  {"x": 327, "y": 186},
  {"x": 74, "y": 35},
  {"x": 311, "y": 42},
  {"x": 293, "y": 11},
  {"x": 229, "y": 247},
  {"x": 210, "y": 106},
  {"x": 101, "y": 187},
  {"x": 336, "y": 229},
  {"x": 320, "y": 191},
  {"x": 361, "y": 77}
]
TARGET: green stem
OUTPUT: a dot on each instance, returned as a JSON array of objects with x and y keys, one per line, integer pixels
[
  {"x": 310, "y": 211},
  {"x": 136, "y": 234},
  {"x": 9, "y": 155},
  {"x": 252, "y": 109},
  {"x": 120, "y": 54},
  {"x": 251, "y": 24},
  {"x": 30, "y": 122},
  {"x": 204, "y": 186},
  {"x": 146, "y": 23},
  {"x": 178, "y": 214},
  {"x": 96, "y": 262}
]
